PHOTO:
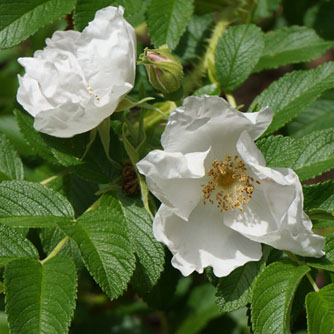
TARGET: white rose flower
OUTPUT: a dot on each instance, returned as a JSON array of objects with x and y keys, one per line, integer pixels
[
  {"x": 78, "y": 79},
  {"x": 219, "y": 200}
]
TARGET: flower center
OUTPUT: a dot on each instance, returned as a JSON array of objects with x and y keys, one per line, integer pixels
[
  {"x": 229, "y": 186},
  {"x": 91, "y": 92}
]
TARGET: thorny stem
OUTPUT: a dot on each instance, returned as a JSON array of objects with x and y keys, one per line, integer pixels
[
  {"x": 252, "y": 11},
  {"x": 56, "y": 250},
  {"x": 308, "y": 275},
  {"x": 207, "y": 60}
]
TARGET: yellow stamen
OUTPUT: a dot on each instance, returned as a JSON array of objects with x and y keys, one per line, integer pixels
[{"x": 229, "y": 186}]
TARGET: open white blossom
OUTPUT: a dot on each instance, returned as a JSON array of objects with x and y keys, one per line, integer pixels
[
  {"x": 79, "y": 78},
  {"x": 219, "y": 200}
]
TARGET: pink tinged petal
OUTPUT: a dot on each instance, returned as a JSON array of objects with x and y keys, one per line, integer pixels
[
  {"x": 275, "y": 214},
  {"x": 106, "y": 50},
  {"x": 203, "y": 241},
  {"x": 175, "y": 178},
  {"x": 30, "y": 96},
  {"x": 210, "y": 121}
]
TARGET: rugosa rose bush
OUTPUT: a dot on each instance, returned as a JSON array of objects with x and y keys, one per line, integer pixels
[
  {"x": 246, "y": 195},
  {"x": 219, "y": 200},
  {"x": 78, "y": 79}
]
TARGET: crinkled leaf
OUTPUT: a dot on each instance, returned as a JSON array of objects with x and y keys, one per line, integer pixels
[
  {"x": 50, "y": 237},
  {"x": 309, "y": 156},
  {"x": 11, "y": 167},
  {"x": 40, "y": 298},
  {"x": 102, "y": 238},
  {"x": 10, "y": 128},
  {"x": 68, "y": 151},
  {"x": 319, "y": 200},
  {"x": 167, "y": 21},
  {"x": 32, "y": 137},
  {"x": 190, "y": 45},
  {"x": 273, "y": 293},
  {"x": 13, "y": 246},
  {"x": 320, "y": 311},
  {"x": 293, "y": 92},
  {"x": 234, "y": 291},
  {"x": 21, "y": 18},
  {"x": 317, "y": 116},
  {"x": 237, "y": 52},
  {"x": 290, "y": 45},
  {"x": 149, "y": 252},
  {"x": 29, "y": 204},
  {"x": 94, "y": 168},
  {"x": 85, "y": 9}
]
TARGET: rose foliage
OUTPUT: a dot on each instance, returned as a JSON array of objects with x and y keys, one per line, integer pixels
[{"x": 206, "y": 202}]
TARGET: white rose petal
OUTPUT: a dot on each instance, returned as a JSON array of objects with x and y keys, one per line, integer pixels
[
  {"x": 219, "y": 200},
  {"x": 78, "y": 79}
]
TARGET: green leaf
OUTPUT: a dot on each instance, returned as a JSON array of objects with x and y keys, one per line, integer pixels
[
  {"x": 320, "y": 311},
  {"x": 273, "y": 293},
  {"x": 149, "y": 252},
  {"x": 201, "y": 308},
  {"x": 10, "y": 128},
  {"x": 319, "y": 200},
  {"x": 68, "y": 151},
  {"x": 40, "y": 298},
  {"x": 191, "y": 44},
  {"x": 309, "y": 156},
  {"x": 3, "y": 323},
  {"x": 50, "y": 237},
  {"x": 234, "y": 291},
  {"x": 319, "y": 16},
  {"x": 11, "y": 167},
  {"x": 266, "y": 8},
  {"x": 237, "y": 52},
  {"x": 29, "y": 204},
  {"x": 32, "y": 137},
  {"x": 326, "y": 262},
  {"x": 163, "y": 294},
  {"x": 317, "y": 116},
  {"x": 290, "y": 45},
  {"x": 21, "y": 18},
  {"x": 85, "y": 9},
  {"x": 212, "y": 89},
  {"x": 167, "y": 21},
  {"x": 95, "y": 167},
  {"x": 82, "y": 194},
  {"x": 102, "y": 238},
  {"x": 13, "y": 246},
  {"x": 292, "y": 93}
]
